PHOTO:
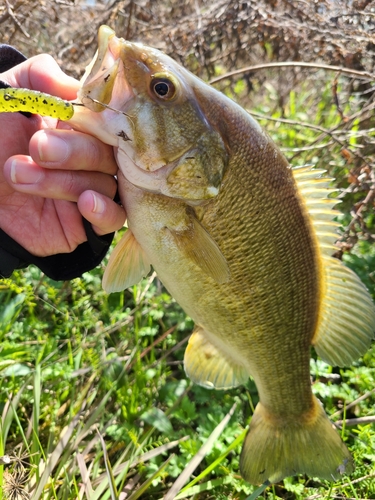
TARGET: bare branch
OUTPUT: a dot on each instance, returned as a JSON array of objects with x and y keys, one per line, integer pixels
[
  {"x": 295, "y": 64},
  {"x": 14, "y": 19}
]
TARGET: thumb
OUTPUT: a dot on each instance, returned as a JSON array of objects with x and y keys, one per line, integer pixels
[{"x": 42, "y": 73}]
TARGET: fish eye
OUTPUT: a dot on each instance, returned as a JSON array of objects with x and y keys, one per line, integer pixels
[{"x": 163, "y": 88}]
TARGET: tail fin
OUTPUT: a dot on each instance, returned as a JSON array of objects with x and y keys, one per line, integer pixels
[{"x": 275, "y": 448}]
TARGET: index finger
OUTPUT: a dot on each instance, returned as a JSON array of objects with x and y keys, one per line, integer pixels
[
  {"x": 71, "y": 150},
  {"x": 42, "y": 73}
]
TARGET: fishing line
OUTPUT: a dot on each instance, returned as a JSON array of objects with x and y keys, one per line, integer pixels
[{"x": 105, "y": 106}]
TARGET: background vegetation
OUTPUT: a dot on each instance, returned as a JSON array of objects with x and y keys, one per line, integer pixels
[{"x": 94, "y": 401}]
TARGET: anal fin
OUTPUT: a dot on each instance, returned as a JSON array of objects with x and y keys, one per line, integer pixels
[
  {"x": 347, "y": 319},
  {"x": 209, "y": 367},
  {"x": 127, "y": 265}
]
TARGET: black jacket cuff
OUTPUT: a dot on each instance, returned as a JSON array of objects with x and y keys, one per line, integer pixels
[{"x": 62, "y": 266}]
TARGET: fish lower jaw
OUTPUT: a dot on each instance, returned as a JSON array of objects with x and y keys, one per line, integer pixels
[
  {"x": 156, "y": 181},
  {"x": 151, "y": 181}
]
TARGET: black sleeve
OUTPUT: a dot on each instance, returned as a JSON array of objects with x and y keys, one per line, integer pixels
[{"x": 64, "y": 266}]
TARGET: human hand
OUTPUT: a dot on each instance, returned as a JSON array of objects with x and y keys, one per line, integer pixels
[{"x": 50, "y": 177}]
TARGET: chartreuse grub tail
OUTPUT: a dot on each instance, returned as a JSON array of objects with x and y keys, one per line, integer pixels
[{"x": 14, "y": 100}]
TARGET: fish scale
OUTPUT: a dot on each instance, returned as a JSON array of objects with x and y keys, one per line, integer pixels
[
  {"x": 245, "y": 271},
  {"x": 231, "y": 319},
  {"x": 243, "y": 243}
]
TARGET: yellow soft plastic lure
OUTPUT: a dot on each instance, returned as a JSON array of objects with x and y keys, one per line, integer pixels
[{"x": 14, "y": 100}]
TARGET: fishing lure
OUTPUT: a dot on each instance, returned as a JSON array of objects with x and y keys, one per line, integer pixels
[{"x": 14, "y": 100}]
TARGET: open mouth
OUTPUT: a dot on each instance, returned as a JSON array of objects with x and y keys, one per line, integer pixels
[
  {"x": 104, "y": 84},
  {"x": 116, "y": 109}
]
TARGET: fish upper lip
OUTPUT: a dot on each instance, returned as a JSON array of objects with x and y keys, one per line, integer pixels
[{"x": 105, "y": 84}]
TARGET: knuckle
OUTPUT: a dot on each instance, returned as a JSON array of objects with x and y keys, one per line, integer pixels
[
  {"x": 92, "y": 155},
  {"x": 103, "y": 157},
  {"x": 69, "y": 185}
]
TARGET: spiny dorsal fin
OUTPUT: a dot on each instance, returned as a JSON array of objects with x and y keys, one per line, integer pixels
[
  {"x": 315, "y": 190},
  {"x": 207, "y": 366},
  {"x": 198, "y": 245},
  {"x": 127, "y": 265},
  {"x": 347, "y": 318}
]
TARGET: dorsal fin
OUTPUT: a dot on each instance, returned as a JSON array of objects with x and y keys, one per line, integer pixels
[
  {"x": 347, "y": 316},
  {"x": 346, "y": 324},
  {"x": 315, "y": 190}
]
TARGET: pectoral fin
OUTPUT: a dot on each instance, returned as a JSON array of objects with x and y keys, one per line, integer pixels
[
  {"x": 207, "y": 366},
  {"x": 127, "y": 265},
  {"x": 200, "y": 247},
  {"x": 347, "y": 320}
]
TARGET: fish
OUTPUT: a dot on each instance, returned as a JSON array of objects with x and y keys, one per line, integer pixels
[{"x": 240, "y": 239}]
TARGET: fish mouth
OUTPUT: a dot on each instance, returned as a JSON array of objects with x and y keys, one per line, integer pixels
[
  {"x": 111, "y": 89},
  {"x": 106, "y": 91},
  {"x": 104, "y": 84}
]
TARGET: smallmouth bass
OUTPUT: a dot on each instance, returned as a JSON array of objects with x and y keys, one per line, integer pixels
[{"x": 242, "y": 242}]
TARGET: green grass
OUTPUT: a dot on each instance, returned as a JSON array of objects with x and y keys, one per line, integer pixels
[
  {"x": 86, "y": 385},
  {"x": 94, "y": 401}
]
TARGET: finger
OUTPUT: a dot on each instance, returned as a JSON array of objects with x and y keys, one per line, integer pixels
[
  {"x": 26, "y": 176},
  {"x": 69, "y": 149},
  {"x": 42, "y": 73},
  {"x": 103, "y": 213}
]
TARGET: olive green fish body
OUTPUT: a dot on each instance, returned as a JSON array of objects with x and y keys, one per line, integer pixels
[
  {"x": 241, "y": 241},
  {"x": 270, "y": 301}
]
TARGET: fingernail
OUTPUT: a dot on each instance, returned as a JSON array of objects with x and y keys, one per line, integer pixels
[
  {"x": 21, "y": 173},
  {"x": 52, "y": 148},
  {"x": 98, "y": 205}
]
